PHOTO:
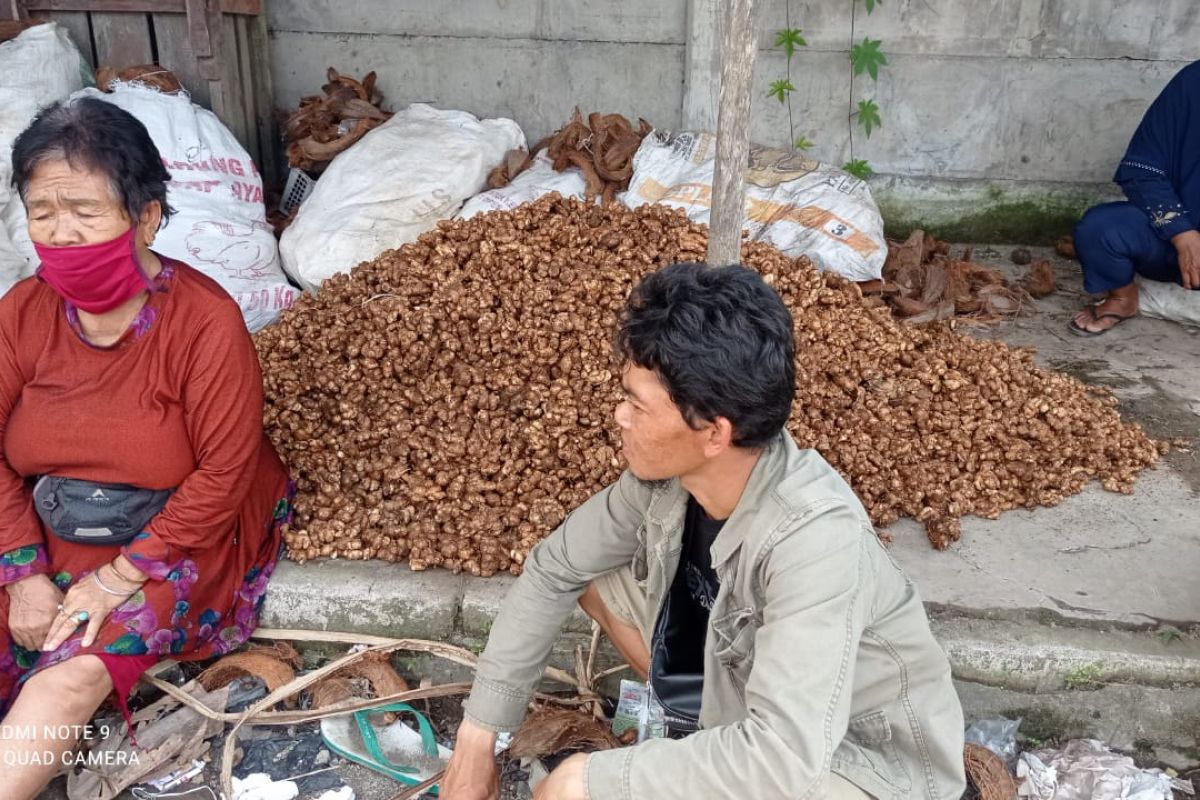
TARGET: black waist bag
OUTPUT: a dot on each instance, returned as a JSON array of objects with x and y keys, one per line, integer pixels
[
  {"x": 95, "y": 513},
  {"x": 677, "y": 661}
]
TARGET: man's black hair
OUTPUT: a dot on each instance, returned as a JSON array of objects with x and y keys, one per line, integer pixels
[
  {"x": 721, "y": 341},
  {"x": 91, "y": 134}
]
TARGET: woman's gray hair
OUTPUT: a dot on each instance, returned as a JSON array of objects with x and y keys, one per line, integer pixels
[{"x": 89, "y": 133}]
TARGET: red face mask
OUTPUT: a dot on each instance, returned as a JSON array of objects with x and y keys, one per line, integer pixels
[{"x": 94, "y": 277}]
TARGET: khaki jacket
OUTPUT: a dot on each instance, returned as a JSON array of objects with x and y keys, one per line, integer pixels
[{"x": 819, "y": 656}]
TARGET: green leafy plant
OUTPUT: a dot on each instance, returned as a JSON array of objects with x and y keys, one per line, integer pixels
[
  {"x": 868, "y": 116},
  {"x": 780, "y": 89},
  {"x": 859, "y": 168},
  {"x": 1083, "y": 678},
  {"x": 1169, "y": 633},
  {"x": 789, "y": 39},
  {"x": 866, "y": 57}
]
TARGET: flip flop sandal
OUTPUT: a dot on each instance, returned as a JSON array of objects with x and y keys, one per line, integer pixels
[
  {"x": 398, "y": 750},
  {"x": 1079, "y": 330}
]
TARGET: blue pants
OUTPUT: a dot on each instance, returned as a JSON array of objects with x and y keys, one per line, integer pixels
[{"x": 1114, "y": 242}]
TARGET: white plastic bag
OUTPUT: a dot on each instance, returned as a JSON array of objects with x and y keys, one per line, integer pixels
[
  {"x": 1168, "y": 301},
  {"x": 38, "y": 67},
  {"x": 392, "y": 186},
  {"x": 1085, "y": 769},
  {"x": 220, "y": 226},
  {"x": 801, "y": 206},
  {"x": 540, "y": 179}
]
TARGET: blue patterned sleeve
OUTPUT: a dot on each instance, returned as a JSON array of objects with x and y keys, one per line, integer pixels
[
  {"x": 1149, "y": 190},
  {"x": 22, "y": 562}
]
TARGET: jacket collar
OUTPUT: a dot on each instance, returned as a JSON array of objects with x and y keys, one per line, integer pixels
[{"x": 670, "y": 507}]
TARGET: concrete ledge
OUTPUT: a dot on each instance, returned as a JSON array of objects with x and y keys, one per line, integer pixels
[
  {"x": 364, "y": 597},
  {"x": 1042, "y": 658}
]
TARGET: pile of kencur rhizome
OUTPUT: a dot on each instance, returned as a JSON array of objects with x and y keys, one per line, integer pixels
[{"x": 449, "y": 402}]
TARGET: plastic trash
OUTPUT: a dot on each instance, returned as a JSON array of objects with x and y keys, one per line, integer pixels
[
  {"x": 997, "y": 735},
  {"x": 344, "y": 793},
  {"x": 1085, "y": 769},
  {"x": 259, "y": 786}
]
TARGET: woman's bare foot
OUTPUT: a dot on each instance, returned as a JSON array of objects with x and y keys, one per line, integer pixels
[{"x": 1120, "y": 305}]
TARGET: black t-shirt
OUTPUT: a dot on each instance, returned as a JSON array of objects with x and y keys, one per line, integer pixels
[
  {"x": 699, "y": 533},
  {"x": 692, "y": 593}
]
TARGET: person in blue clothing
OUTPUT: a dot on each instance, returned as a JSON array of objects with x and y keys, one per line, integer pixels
[{"x": 1155, "y": 233}]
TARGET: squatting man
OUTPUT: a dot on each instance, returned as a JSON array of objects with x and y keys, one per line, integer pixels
[{"x": 738, "y": 573}]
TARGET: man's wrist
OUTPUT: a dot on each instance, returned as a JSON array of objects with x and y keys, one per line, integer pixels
[{"x": 475, "y": 737}]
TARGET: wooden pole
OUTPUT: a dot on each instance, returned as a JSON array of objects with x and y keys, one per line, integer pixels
[{"x": 739, "y": 48}]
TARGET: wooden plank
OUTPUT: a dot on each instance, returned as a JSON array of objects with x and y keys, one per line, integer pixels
[
  {"x": 175, "y": 53},
  {"x": 122, "y": 39},
  {"x": 226, "y": 92},
  {"x": 249, "y": 7},
  {"x": 739, "y": 49},
  {"x": 245, "y": 83},
  {"x": 78, "y": 27},
  {"x": 270, "y": 160}
]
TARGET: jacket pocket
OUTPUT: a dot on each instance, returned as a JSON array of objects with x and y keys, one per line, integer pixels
[
  {"x": 868, "y": 758},
  {"x": 640, "y": 567},
  {"x": 733, "y": 637}
]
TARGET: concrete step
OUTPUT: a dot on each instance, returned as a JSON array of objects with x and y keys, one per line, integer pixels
[{"x": 1136, "y": 689}]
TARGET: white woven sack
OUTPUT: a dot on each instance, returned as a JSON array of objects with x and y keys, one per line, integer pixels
[
  {"x": 801, "y": 206},
  {"x": 392, "y": 186}
]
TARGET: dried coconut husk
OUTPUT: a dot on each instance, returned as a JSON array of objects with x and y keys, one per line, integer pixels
[
  {"x": 146, "y": 74},
  {"x": 988, "y": 774},
  {"x": 1040, "y": 280},
  {"x": 1065, "y": 247},
  {"x": 933, "y": 286},
  {"x": 273, "y": 672},
  {"x": 331, "y": 690},
  {"x": 313, "y": 130},
  {"x": 373, "y": 669},
  {"x": 11, "y": 29},
  {"x": 547, "y": 731},
  {"x": 602, "y": 149}
]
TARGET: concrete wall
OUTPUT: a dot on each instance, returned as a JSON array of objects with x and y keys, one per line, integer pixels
[{"x": 1001, "y": 118}]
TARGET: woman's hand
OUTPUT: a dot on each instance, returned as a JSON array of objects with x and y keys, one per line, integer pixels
[
  {"x": 1187, "y": 245},
  {"x": 87, "y": 596},
  {"x": 32, "y": 609}
]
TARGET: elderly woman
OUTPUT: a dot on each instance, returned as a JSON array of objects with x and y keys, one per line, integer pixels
[{"x": 131, "y": 376}]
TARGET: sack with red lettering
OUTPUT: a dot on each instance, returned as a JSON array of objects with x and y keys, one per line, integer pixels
[
  {"x": 799, "y": 205},
  {"x": 220, "y": 223}
]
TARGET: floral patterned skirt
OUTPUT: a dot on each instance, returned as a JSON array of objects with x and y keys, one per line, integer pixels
[{"x": 208, "y": 605}]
